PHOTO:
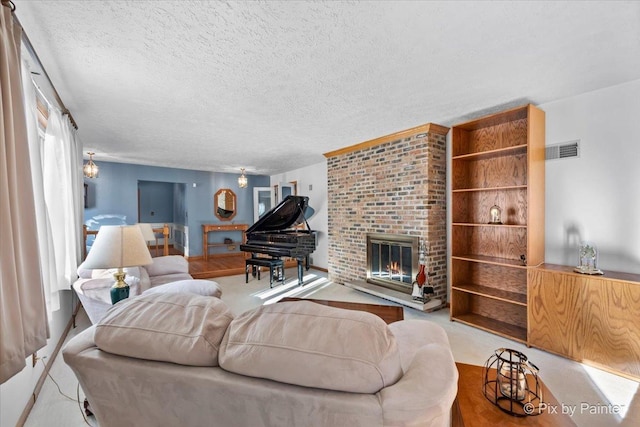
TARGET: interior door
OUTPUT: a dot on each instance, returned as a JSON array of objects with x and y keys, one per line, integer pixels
[
  {"x": 285, "y": 189},
  {"x": 263, "y": 201}
]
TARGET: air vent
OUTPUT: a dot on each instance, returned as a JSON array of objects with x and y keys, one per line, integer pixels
[{"x": 563, "y": 150}]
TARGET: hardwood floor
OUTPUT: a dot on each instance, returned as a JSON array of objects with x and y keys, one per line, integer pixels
[{"x": 216, "y": 266}]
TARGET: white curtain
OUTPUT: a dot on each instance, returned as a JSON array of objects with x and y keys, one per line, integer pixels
[
  {"x": 62, "y": 187},
  {"x": 23, "y": 318},
  {"x": 45, "y": 234}
]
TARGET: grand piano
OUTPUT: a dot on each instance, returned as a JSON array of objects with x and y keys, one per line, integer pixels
[{"x": 276, "y": 233}]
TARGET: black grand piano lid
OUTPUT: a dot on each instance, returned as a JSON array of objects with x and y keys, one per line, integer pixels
[{"x": 288, "y": 213}]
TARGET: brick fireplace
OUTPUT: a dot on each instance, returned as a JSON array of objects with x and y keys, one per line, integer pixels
[{"x": 391, "y": 185}]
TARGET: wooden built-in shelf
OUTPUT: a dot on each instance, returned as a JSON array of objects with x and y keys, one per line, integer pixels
[
  {"x": 473, "y": 224},
  {"x": 491, "y": 260},
  {"x": 496, "y": 160},
  {"x": 497, "y": 327},
  {"x": 506, "y": 187},
  {"x": 507, "y": 151},
  {"x": 489, "y": 292}
]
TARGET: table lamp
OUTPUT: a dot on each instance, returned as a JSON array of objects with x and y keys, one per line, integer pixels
[
  {"x": 118, "y": 246},
  {"x": 148, "y": 234}
]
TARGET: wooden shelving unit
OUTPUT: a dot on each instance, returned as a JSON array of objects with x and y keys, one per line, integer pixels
[{"x": 496, "y": 160}]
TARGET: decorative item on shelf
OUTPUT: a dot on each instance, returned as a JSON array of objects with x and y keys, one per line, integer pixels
[
  {"x": 495, "y": 214},
  {"x": 242, "y": 179},
  {"x": 587, "y": 259},
  {"x": 118, "y": 246},
  {"x": 511, "y": 383},
  {"x": 90, "y": 169},
  {"x": 421, "y": 287}
]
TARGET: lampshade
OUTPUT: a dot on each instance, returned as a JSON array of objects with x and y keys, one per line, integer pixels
[
  {"x": 242, "y": 179},
  {"x": 147, "y": 232},
  {"x": 118, "y": 246},
  {"x": 90, "y": 169}
]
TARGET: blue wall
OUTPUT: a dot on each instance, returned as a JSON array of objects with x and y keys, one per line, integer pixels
[
  {"x": 156, "y": 201},
  {"x": 115, "y": 191}
]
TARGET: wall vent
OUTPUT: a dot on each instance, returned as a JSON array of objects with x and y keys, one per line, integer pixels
[{"x": 563, "y": 150}]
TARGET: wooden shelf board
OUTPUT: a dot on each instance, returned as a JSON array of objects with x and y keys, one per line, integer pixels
[
  {"x": 494, "y": 326},
  {"x": 491, "y": 260},
  {"x": 212, "y": 245},
  {"x": 507, "y": 187},
  {"x": 499, "y": 294},
  {"x": 507, "y": 151},
  {"x": 473, "y": 224}
]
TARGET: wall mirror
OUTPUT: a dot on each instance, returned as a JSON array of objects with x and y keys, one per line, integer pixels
[{"x": 224, "y": 204}]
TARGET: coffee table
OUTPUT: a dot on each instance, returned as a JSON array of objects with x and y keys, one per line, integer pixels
[
  {"x": 472, "y": 409},
  {"x": 388, "y": 313}
]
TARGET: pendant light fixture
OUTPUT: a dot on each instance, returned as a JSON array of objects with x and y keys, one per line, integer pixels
[
  {"x": 242, "y": 179},
  {"x": 90, "y": 169}
]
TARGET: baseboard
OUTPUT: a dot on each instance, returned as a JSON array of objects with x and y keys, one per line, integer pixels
[{"x": 47, "y": 367}]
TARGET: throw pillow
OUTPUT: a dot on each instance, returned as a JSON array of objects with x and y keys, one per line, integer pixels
[
  {"x": 180, "y": 328},
  {"x": 312, "y": 345},
  {"x": 205, "y": 288}
]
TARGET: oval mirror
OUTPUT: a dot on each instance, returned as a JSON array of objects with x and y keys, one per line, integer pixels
[{"x": 224, "y": 204}]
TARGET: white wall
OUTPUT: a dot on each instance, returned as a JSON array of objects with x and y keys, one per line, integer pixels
[
  {"x": 314, "y": 177},
  {"x": 16, "y": 392},
  {"x": 595, "y": 197}
]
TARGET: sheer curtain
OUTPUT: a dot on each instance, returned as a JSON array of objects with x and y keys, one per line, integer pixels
[
  {"x": 62, "y": 188},
  {"x": 23, "y": 318},
  {"x": 45, "y": 235}
]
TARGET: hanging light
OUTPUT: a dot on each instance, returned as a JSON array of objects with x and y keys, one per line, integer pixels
[
  {"x": 242, "y": 179},
  {"x": 90, "y": 169}
]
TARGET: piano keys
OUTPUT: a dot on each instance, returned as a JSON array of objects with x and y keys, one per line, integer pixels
[{"x": 276, "y": 233}]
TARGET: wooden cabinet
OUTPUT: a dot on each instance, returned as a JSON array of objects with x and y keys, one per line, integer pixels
[
  {"x": 207, "y": 228},
  {"x": 496, "y": 160},
  {"x": 590, "y": 319}
]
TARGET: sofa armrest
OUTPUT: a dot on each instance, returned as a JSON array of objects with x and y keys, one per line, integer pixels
[
  {"x": 171, "y": 264},
  {"x": 413, "y": 334},
  {"x": 425, "y": 394},
  {"x": 81, "y": 342}
]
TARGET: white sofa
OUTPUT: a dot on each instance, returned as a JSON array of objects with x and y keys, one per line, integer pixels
[
  {"x": 93, "y": 286},
  {"x": 169, "y": 360}
]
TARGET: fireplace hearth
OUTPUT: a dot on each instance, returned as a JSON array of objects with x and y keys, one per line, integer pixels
[{"x": 392, "y": 260}]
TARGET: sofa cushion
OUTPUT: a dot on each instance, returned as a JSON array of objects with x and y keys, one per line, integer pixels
[
  {"x": 205, "y": 288},
  {"x": 170, "y": 264},
  {"x": 312, "y": 345},
  {"x": 178, "y": 328},
  {"x": 99, "y": 273}
]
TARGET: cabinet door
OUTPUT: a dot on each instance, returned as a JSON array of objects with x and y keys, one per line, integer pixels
[
  {"x": 612, "y": 326},
  {"x": 556, "y": 313}
]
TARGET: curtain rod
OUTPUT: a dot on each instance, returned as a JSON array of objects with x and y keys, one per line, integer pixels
[{"x": 35, "y": 56}]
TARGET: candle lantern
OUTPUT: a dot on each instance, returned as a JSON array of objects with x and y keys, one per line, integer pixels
[
  {"x": 511, "y": 383},
  {"x": 495, "y": 214}
]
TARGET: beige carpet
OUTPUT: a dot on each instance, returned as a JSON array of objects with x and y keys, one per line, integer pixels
[{"x": 573, "y": 384}]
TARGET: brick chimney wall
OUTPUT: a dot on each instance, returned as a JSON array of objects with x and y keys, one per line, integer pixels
[{"x": 396, "y": 185}]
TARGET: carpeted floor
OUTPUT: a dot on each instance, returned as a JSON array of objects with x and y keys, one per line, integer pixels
[{"x": 576, "y": 386}]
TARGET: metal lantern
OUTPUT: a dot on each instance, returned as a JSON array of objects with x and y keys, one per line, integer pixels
[{"x": 511, "y": 383}]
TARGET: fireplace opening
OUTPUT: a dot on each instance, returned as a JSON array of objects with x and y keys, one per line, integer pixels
[{"x": 392, "y": 260}]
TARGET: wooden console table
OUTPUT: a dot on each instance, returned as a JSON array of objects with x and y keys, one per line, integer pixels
[
  {"x": 206, "y": 228},
  {"x": 591, "y": 319}
]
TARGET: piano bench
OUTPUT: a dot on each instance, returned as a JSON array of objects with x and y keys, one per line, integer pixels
[{"x": 272, "y": 263}]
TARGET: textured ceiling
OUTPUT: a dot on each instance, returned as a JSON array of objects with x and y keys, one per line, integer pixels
[{"x": 271, "y": 86}]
